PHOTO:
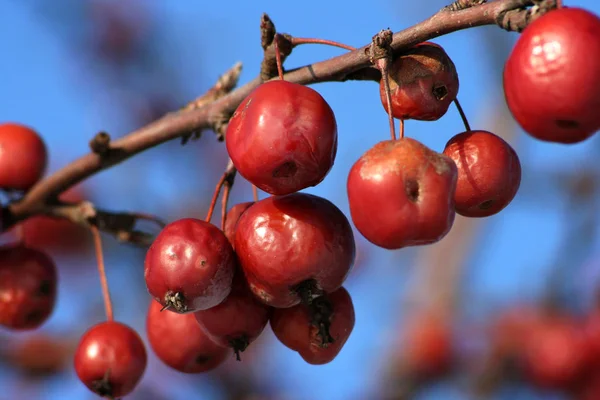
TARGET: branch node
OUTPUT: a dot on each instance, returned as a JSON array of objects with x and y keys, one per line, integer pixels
[
  {"x": 100, "y": 144},
  {"x": 268, "y": 67},
  {"x": 517, "y": 20},
  {"x": 463, "y": 4},
  {"x": 267, "y": 31},
  {"x": 381, "y": 46}
]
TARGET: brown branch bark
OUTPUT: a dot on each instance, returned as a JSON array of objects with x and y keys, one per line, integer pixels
[{"x": 180, "y": 123}]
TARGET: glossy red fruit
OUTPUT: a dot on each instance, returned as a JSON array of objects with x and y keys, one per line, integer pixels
[
  {"x": 294, "y": 327},
  {"x": 189, "y": 266},
  {"x": 427, "y": 345},
  {"x": 238, "y": 320},
  {"x": 556, "y": 354},
  {"x": 23, "y": 157},
  {"x": 489, "y": 173},
  {"x": 401, "y": 193},
  {"x": 233, "y": 216},
  {"x": 28, "y": 280},
  {"x": 294, "y": 246},
  {"x": 179, "y": 342},
  {"x": 551, "y": 77},
  {"x": 423, "y": 83},
  {"x": 110, "y": 359},
  {"x": 282, "y": 137}
]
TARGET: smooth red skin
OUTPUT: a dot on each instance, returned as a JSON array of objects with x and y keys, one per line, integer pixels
[
  {"x": 552, "y": 75},
  {"x": 232, "y": 218},
  {"x": 28, "y": 280},
  {"x": 489, "y": 170},
  {"x": 413, "y": 77},
  {"x": 282, "y": 122},
  {"x": 592, "y": 336},
  {"x": 241, "y": 315},
  {"x": 294, "y": 330},
  {"x": 427, "y": 346},
  {"x": 556, "y": 355},
  {"x": 283, "y": 241},
  {"x": 192, "y": 257},
  {"x": 23, "y": 157},
  {"x": 380, "y": 207},
  {"x": 179, "y": 342},
  {"x": 115, "y": 347}
]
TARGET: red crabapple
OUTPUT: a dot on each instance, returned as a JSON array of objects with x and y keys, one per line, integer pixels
[
  {"x": 551, "y": 77},
  {"x": 189, "y": 266},
  {"x": 23, "y": 157},
  {"x": 110, "y": 359},
  {"x": 282, "y": 137},
  {"x": 179, "y": 342},
  {"x": 27, "y": 287},
  {"x": 300, "y": 331},
  {"x": 293, "y": 248},
  {"x": 401, "y": 193},
  {"x": 489, "y": 173},
  {"x": 232, "y": 218},
  {"x": 238, "y": 320},
  {"x": 423, "y": 83}
]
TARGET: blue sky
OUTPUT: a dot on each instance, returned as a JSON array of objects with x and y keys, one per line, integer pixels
[{"x": 45, "y": 84}]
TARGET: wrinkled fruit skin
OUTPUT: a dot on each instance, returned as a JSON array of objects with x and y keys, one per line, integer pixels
[
  {"x": 178, "y": 341},
  {"x": 241, "y": 317},
  {"x": 193, "y": 258},
  {"x": 23, "y": 157},
  {"x": 423, "y": 83},
  {"x": 551, "y": 78},
  {"x": 285, "y": 241},
  {"x": 28, "y": 280},
  {"x": 401, "y": 193},
  {"x": 282, "y": 137},
  {"x": 293, "y": 328},
  {"x": 233, "y": 216},
  {"x": 489, "y": 173},
  {"x": 113, "y": 347}
]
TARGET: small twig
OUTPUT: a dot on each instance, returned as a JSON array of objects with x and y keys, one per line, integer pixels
[
  {"x": 463, "y": 4},
  {"x": 228, "y": 183},
  {"x": 102, "y": 272},
  {"x": 267, "y": 31},
  {"x": 298, "y": 41},
  {"x": 463, "y": 116},
  {"x": 227, "y": 178},
  {"x": 381, "y": 57}
]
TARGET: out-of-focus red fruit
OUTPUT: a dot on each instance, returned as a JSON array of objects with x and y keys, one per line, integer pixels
[
  {"x": 39, "y": 355},
  {"x": 592, "y": 336},
  {"x": 551, "y": 78},
  {"x": 232, "y": 218},
  {"x": 23, "y": 157},
  {"x": 178, "y": 341},
  {"x": 28, "y": 280},
  {"x": 423, "y": 83},
  {"x": 489, "y": 173},
  {"x": 401, "y": 193},
  {"x": 509, "y": 330},
  {"x": 238, "y": 320},
  {"x": 110, "y": 359},
  {"x": 293, "y": 246},
  {"x": 295, "y": 328},
  {"x": 189, "y": 266},
  {"x": 282, "y": 137}
]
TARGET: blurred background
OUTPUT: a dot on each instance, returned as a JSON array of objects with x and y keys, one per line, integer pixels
[{"x": 447, "y": 321}]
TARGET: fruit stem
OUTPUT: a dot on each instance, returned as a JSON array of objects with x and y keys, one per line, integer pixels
[
  {"x": 462, "y": 115},
  {"x": 559, "y": 4},
  {"x": 278, "y": 56},
  {"x": 224, "y": 202},
  {"x": 296, "y": 41},
  {"x": 102, "y": 272},
  {"x": 20, "y": 234},
  {"x": 401, "y": 129},
  {"x": 215, "y": 196},
  {"x": 254, "y": 193},
  {"x": 383, "y": 65}
]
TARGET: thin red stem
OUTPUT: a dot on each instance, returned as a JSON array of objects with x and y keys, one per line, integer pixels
[
  {"x": 20, "y": 233},
  {"x": 462, "y": 115},
  {"x": 401, "y": 129},
  {"x": 278, "y": 56},
  {"x": 383, "y": 67},
  {"x": 102, "y": 273},
  {"x": 224, "y": 202},
  {"x": 254, "y": 193},
  {"x": 213, "y": 202},
  {"x": 559, "y": 3},
  {"x": 296, "y": 41}
]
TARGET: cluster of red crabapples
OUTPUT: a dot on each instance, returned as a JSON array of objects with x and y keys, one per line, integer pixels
[{"x": 284, "y": 259}]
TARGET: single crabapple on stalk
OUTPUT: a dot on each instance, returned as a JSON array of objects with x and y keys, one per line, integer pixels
[
  {"x": 23, "y": 157},
  {"x": 401, "y": 193},
  {"x": 189, "y": 266},
  {"x": 238, "y": 320},
  {"x": 293, "y": 248},
  {"x": 551, "y": 77},
  {"x": 179, "y": 342},
  {"x": 301, "y": 329},
  {"x": 28, "y": 280},
  {"x": 489, "y": 173}
]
